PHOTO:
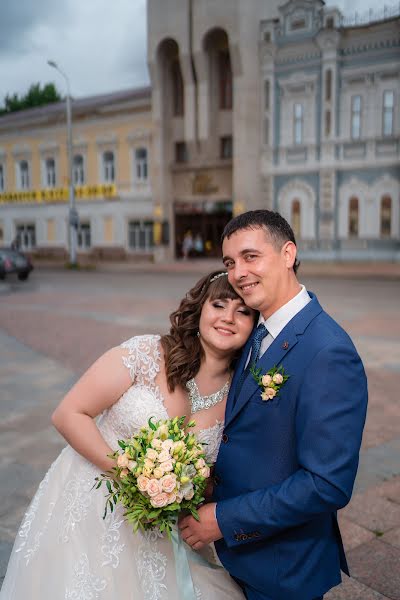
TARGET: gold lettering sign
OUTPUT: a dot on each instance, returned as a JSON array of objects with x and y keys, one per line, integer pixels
[
  {"x": 82, "y": 192},
  {"x": 202, "y": 184}
]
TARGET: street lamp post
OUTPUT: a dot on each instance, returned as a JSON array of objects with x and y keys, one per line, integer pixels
[{"x": 73, "y": 219}]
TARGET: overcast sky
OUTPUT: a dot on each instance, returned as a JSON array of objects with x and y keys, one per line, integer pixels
[{"x": 100, "y": 44}]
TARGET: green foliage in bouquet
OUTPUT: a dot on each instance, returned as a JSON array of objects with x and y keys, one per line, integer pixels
[{"x": 160, "y": 472}]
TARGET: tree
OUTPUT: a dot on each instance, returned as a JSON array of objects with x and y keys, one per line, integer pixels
[{"x": 36, "y": 96}]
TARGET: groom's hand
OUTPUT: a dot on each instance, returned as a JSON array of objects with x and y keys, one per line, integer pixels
[{"x": 199, "y": 533}]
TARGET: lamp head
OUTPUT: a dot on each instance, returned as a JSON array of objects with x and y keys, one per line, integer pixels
[{"x": 51, "y": 63}]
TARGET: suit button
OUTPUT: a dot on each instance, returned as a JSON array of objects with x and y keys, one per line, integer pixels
[
  {"x": 217, "y": 479},
  {"x": 225, "y": 438}
]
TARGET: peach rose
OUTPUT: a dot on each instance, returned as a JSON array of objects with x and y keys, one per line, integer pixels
[
  {"x": 148, "y": 463},
  {"x": 200, "y": 463},
  {"x": 277, "y": 378},
  {"x": 123, "y": 473},
  {"x": 151, "y": 454},
  {"x": 153, "y": 488},
  {"x": 268, "y": 394},
  {"x": 171, "y": 498},
  {"x": 205, "y": 472},
  {"x": 158, "y": 473},
  {"x": 168, "y": 482},
  {"x": 160, "y": 500},
  {"x": 167, "y": 466},
  {"x": 266, "y": 380},
  {"x": 163, "y": 456},
  {"x": 123, "y": 460},
  {"x": 142, "y": 483}
]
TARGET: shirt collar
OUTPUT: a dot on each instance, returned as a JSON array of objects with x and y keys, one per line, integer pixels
[{"x": 276, "y": 322}]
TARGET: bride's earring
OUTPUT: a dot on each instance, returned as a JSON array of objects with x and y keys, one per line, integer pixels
[{"x": 198, "y": 334}]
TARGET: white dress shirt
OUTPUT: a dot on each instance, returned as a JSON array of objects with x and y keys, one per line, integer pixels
[{"x": 276, "y": 322}]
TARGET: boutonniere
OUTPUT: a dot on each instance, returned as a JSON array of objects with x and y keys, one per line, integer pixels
[{"x": 271, "y": 382}]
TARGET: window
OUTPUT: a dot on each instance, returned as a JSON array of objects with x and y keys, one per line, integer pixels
[
  {"x": 226, "y": 149},
  {"x": 50, "y": 174},
  {"x": 26, "y": 234},
  {"x": 108, "y": 167},
  {"x": 356, "y": 117},
  {"x": 84, "y": 236},
  {"x": 267, "y": 37},
  {"x": 225, "y": 80},
  {"x": 386, "y": 216},
  {"x": 24, "y": 175},
  {"x": 178, "y": 106},
  {"x": 298, "y": 24},
  {"x": 181, "y": 153},
  {"x": 295, "y": 218},
  {"x": 266, "y": 131},
  {"x": 140, "y": 235},
  {"x": 267, "y": 94},
  {"x": 2, "y": 184},
  {"x": 78, "y": 170},
  {"x": 388, "y": 110},
  {"x": 327, "y": 123},
  {"x": 330, "y": 22},
  {"x": 141, "y": 164},
  {"x": 298, "y": 123},
  {"x": 353, "y": 217},
  {"x": 328, "y": 85}
]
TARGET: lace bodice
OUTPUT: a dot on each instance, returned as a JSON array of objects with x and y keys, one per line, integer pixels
[{"x": 144, "y": 399}]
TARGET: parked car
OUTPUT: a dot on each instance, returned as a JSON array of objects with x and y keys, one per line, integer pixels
[{"x": 13, "y": 261}]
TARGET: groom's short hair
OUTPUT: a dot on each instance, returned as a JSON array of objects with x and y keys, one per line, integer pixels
[{"x": 276, "y": 227}]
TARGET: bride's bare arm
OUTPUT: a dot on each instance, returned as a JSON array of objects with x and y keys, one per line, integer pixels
[{"x": 100, "y": 387}]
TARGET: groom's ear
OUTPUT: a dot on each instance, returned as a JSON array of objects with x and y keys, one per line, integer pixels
[{"x": 289, "y": 253}]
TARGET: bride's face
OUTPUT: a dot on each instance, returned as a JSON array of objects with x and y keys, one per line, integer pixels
[{"x": 225, "y": 325}]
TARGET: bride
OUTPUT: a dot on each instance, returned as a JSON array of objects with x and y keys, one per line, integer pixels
[{"x": 64, "y": 549}]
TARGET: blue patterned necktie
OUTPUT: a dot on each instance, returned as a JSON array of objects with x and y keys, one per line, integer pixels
[{"x": 260, "y": 333}]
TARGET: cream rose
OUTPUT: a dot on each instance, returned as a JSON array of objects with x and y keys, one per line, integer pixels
[
  {"x": 148, "y": 464},
  {"x": 123, "y": 473},
  {"x": 123, "y": 460},
  {"x": 160, "y": 500},
  {"x": 178, "y": 446},
  {"x": 205, "y": 472},
  {"x": 153, "y": 487},
  {"x": 167, "y": 444},
  {"x": 156, "y": 443},
  {"x": 266, "y": 380},
  {"x": 163, "y": 456},
  {"x": 142, "y": 483},
  {"x": 200, "y": 463},
  {"x": 158, "y": 473},
  {"x": 277, "y": 378},
  {"x": 167, "y": 466},
  {"x": 132, "y": 464},
  {"x": 168, "y": 482},
  {"x": 268, "y": 394},
  {"x": 188, "y": 495},
  {"x": 151, "y": 454},
  {"x": 147, "y": 472},
  {"x": 171, "y": 498}
]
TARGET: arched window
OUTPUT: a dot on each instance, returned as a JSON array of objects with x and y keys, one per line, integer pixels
[
  {"x": 24, "y": 175},
  {"x": 356, "y": 117},
  {"x": 78, "y": 170},
  {"x": 327, "y": 123},
  {"x": 108, "y": 167},
  {"x": 2, "y": 184},
  {"x": 353, "y": 217},
  {"x": 295, "y": 218},
  {"x": 178, "y": 106},
  {"x": 50, "y": 167},
  {"x": 141, "y": 164},
  {"x": 225, "y": 80},
  {"x": 386, "y": 216},
  {"x": 298, "y": 117}
]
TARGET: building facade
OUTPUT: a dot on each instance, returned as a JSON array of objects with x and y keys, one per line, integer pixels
[{"x": 287, "y": 106}]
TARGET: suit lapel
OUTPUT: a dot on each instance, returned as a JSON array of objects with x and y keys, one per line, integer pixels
[
  {"x": 238, "y": 372},
  {"x": 274, "y": 356}
]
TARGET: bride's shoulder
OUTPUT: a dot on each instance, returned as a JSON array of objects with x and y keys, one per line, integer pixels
[{"x": 141, "y": 343}]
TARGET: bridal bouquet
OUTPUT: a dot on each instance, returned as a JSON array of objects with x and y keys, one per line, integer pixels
[{"x": 160, "y": 471}]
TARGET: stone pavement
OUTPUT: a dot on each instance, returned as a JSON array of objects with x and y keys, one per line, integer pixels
[{"x": 51, "y": 331}]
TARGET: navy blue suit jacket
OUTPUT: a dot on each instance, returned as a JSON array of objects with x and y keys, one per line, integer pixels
[{"x": 286, "y": 465}]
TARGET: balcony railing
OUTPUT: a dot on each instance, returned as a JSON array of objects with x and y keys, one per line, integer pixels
[{"x": 371, "y": 16}]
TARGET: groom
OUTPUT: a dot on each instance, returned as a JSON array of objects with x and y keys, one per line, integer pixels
[{"x": 288, "y": 457}]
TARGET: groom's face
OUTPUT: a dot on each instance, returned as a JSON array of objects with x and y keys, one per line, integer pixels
[{"x": 257, "y": 270}]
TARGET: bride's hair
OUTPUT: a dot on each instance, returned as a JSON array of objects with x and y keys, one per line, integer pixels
[{"x": 182, "y": 348}]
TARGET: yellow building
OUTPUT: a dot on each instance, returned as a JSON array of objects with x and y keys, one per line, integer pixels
[{"x": 112, "y": 136}]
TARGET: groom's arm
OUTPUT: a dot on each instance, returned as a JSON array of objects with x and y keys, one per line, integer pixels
[{"x": 329, "y": 423}]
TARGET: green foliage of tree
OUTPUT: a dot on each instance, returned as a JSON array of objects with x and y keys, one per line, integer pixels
[{"x": 36, "y": 96}]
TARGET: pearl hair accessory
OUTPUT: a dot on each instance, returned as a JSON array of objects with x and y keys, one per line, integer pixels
[{"x": 218, "y": 276}]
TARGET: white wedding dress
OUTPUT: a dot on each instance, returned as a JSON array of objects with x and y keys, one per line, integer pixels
[{"x": 65, "y": 550}]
